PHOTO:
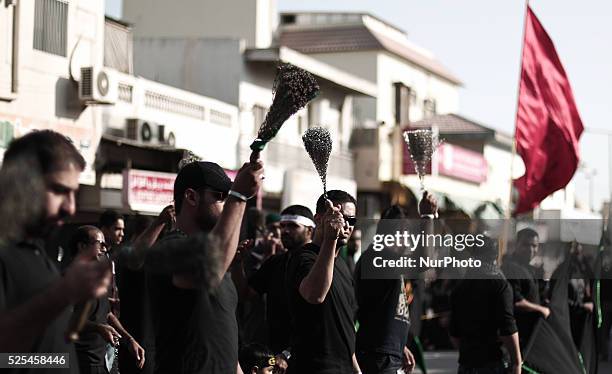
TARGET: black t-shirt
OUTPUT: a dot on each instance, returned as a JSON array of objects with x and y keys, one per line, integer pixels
[
  {"x": 270, "y": 280},
  {"x": 91, "y": 346},
  {"x": 524, "y": 286},
  {"x": 195, "y": 329},
  {"x": 323, "y": 334},
  {"x": 481, "y": 310},
  {"x": 523, "y": 282},
  {"x": 383, "y": 314},
  {"x": 25, "y": 272},
  {"x": 131, "y": 286}
]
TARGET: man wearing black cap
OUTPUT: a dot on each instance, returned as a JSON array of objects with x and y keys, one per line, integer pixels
[{"x": 193, "y": 300}]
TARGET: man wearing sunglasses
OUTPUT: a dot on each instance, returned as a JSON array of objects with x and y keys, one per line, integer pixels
[
  {"x": 102, "y": 328},
  {"x": 321, "y": 295},
  {"x": 193, "y": 301}
]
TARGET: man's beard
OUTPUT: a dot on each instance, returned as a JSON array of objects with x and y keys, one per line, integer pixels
[
  {"x": 43, "y": 227},
  {"x": 291, "y": 244},
  {"x": 206, "y": 222}
]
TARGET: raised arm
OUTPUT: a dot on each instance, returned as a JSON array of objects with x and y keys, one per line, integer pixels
[
  {"x": 147, "y": 238},
  {"x": 227, "y": 230},
  {"x": 316, "y": 284}
]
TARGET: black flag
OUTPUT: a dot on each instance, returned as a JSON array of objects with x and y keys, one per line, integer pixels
[{"x": 550, "y": 349}]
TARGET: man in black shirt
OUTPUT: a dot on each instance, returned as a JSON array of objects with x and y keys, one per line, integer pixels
[
  {"x": 521, "y": 276},
  {"x": 481, "y": 314},
  {"x": 40, "y": 175},
  {"x": 135, "y": 315},
  {"x": 383, "y": 313},
  {"x": 192, "y": 299},
  {"x": 297, "y": 226},
  {"x": 112, "y": 225},
  {"x": 321, "y": 295},
  {"x": 102, "y": 330}
]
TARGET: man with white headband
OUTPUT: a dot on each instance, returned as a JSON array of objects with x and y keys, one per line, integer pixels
[{"x": 297, "y": 227}]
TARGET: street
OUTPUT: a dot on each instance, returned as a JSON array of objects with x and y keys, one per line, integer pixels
[{"x": 446, "y": 363}]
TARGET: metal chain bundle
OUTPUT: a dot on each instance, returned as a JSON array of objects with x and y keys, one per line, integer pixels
[{"x": 318, "y": 144}]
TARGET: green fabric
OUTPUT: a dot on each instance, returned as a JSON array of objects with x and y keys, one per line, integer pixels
[
  {"x": 272, "y": 218},
  {"x": 529, "y": 370},
  {"x": 582, "y": 363},
  {"x": 420, "y": 355}
]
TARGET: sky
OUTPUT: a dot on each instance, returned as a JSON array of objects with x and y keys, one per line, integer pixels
[{"x": 480, "y": 42}]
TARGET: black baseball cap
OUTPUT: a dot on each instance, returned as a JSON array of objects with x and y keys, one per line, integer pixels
[{"x": 199, "y": 174}]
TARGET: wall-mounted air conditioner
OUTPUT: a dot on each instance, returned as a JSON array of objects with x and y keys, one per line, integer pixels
[
  {"x": 98, "y": 86},
  {"x": 148, "y": 132}
]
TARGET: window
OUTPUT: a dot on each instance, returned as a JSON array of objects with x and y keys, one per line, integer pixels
[
  {"x": 6, "y": 133},
  {"x": 288, "y": 19},
  {"x": 429, "y": 108},
  {"x": 302, "y": 125},
  {"x": 50, "y": 26},
  {"x": 259, "y": 114},
  {"x": 403, "y": 98}
]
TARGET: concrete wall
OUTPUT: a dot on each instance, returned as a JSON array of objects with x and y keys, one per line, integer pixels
[
  {"x": 391, "y": 69},
  {"x": 199, "y": 134},
  {"x": 6, "y": 50},
  {"x": 210, "y": 67},
  {"x": 361, "y": 63},
  {"x": 46, "y": 97},
  {"x": 252, "y": 20}
]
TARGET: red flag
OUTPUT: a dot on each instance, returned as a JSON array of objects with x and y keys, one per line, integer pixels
[{"x": 548, "y": 125}]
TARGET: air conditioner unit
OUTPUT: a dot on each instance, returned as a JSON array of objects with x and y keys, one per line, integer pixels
[
  {"x": 98, "y": 86},
  {"x": 148, "y": 132}
]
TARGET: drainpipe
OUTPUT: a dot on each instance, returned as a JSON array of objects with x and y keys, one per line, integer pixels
[{"x": 15, "y": 57}]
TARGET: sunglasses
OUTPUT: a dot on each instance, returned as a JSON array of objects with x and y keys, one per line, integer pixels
[
  {"x": 351, "y": 220},
  {"x": 218, "y": 195}
]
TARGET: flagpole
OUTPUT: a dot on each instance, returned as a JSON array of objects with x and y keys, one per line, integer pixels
[{"x": 506, "y": 229}]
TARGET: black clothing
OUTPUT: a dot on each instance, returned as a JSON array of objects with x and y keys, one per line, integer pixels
[
  {"x": 522, "y": 280},
  {"x": 270, "y": 280},
  {"x": 195, "y": 329},
  {"x": 323, "y": 334},
  {"x": 481, "y": 309},
  {"x": 91, "y": 346},
  {"x": 25, "y": 272},
  {"x": 383, "y": 314},
  {"x": 135, "y": 317},
  {"x": 378, "y": 363},
  {"x": 524, "y": 286}
]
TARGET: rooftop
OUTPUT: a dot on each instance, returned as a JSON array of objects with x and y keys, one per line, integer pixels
[
  {"x": 454, "y": 125},
  {"x": 321, "y": 70},
  {"x": 345, "y": 32}
]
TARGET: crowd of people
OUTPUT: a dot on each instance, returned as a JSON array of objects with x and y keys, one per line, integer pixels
[{"x": 209, "y": 286}]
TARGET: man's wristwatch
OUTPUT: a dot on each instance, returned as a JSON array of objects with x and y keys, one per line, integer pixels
[{"x": 237, "y": 195}]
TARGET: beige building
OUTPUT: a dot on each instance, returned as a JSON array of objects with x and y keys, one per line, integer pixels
[
  {"x": 40, "y": 60},
  {"x": 411, "y": 84},
  {"x": 222, "y": 54},
  {"x": 65, "y": 67}
]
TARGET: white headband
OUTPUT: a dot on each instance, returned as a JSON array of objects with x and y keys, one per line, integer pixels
[{"x": 305, "y": 221}]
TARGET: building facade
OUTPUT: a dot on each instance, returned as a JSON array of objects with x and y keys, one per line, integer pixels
[
  {"x": 40, "y": 61},
  {"x": 239, "y": 68},
  {"x": 65, "y": 67}
]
